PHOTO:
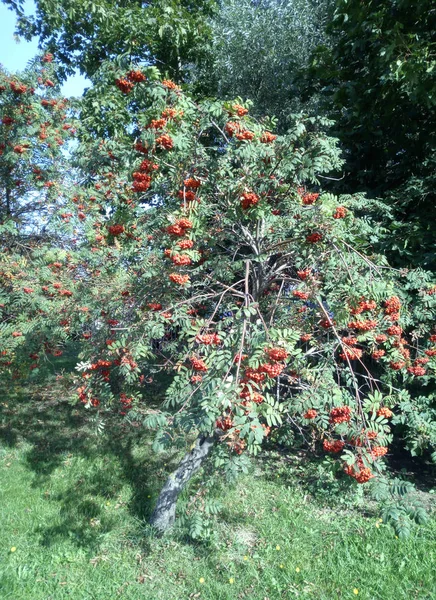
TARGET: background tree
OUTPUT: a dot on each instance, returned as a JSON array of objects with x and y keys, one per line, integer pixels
[
  {"x": 377, "y": 77},
  {"x": 260, "y": 48},
  {"x": 83, "y": 33}
]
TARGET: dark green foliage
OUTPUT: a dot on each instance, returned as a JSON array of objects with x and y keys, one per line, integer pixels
[{"x": 378, "y": 80}]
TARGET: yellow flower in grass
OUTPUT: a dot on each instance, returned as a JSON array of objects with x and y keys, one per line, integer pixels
[
  {"x": 297, "y": 569},
  {"x": 231, "y": 580},
  {"x": 201, "y": 580},
  {"x": 277, "y": 547},
  {"x": 282, "y": 566},
  {"x": 13, "y": 549},
  {"x": 245, "y": 557},
  {"x": 355, "y": 591}
]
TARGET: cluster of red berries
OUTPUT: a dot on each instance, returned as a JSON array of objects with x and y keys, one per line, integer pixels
[
  {"x": 310, "y": 414},
  {"x": 179, "y": 227},
  {"x": 127, "y": 83},
  {"x": 165, "y": 142},
  {"x": 366, "y": 325},
  {"x": 397, "y": 365},
  {"x": 141, "y": 181},
  {"x": 179, "y": 279},
  {"x": 198, "y": 364},
  {"x": 250, "y": 396},
  {"x": 313, "y": 238},
  {"x": 249, "y": 199},
  {"x": 385, "y": 412},
  {"x": 267, "y": 137},
  {"x": 363, "y": 475},
  {"x": 170, "y": 85},
  {"x": 304, "y": 273},
  {"x": 350, "y": 341},
  {"x": 185, "y": 244},
  {"x": 417, "y": 370},
  {"x": 272, "y": 370},
  {"x": 351, "y": 353},
  {"x": 276, "y": 354},
  {"x": 181, "y": 259},
  {"x": 126, "y": 403},
  {"x": 157, "y": 124},
  {"x": 300, "y": 294},
  {"x": 234, "y": 128},
  {"x": 362, "y": 306},
  {"x": 18, "y": 88},
  {"x": 381, "y": 338},
  {"x": 208, "y": 339},
  {"x": 309, "y": 198},
  {"x": 334, "y": 446},
  {"x": 116, "y": 229},
  {"x": 378, "y": 451},
  {"x": 240, "y": 110},
  {"x": 187, "y": 195},
  {"x": 171, "y": 113},
  {"x": 340, "y": 212},
  {"x": 245, "y": 135},
  {"x": 340, "y": 414},
  {"x": 124, "y": 85},
  {"x": 395, "y": 330},
  {"x": 377, "y": 354},
  {"x": 392, "y": 308}
]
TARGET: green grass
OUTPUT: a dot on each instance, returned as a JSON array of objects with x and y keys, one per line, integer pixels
[{"x": 74, "y": 505}]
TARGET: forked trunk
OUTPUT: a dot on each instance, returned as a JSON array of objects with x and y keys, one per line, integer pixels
[{"x": 164, "y": 514}]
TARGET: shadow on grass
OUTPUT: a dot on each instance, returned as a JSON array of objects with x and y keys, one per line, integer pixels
[{"x": 53, "y": 433}]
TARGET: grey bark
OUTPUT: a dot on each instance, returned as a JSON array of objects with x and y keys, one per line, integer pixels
[{"x": 164, "y": 514}]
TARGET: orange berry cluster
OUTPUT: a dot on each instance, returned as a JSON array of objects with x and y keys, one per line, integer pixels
[
  {"x": 334, "y": 446},
  {"x": 208, "y": 339},
  {"x": 340, "y": 212},
  {"x": 362, "y": 306},
  {"x": 249, "y": 199},
  {"x": 363, "y": 475},
  {"x": 178, "y": 278},
  {"x": 366, "y": 325},
  {"x": 340, "y": 414},
  {"x": 198, "y": 364}
]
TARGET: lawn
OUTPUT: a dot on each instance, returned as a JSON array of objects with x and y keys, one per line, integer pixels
[{"x": 74, "y": 505}]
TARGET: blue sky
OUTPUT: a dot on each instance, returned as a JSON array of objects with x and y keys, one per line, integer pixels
[{"x": 15, "y": 55}]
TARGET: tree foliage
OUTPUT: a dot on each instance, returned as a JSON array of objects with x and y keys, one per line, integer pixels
[{"x": 33, "y": 131}]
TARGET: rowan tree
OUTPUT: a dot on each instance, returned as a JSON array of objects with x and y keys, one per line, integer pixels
[{"x": 204, "y": 248}]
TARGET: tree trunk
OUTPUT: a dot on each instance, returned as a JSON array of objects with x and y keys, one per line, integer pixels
[{"x": 164, "y": 514}]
